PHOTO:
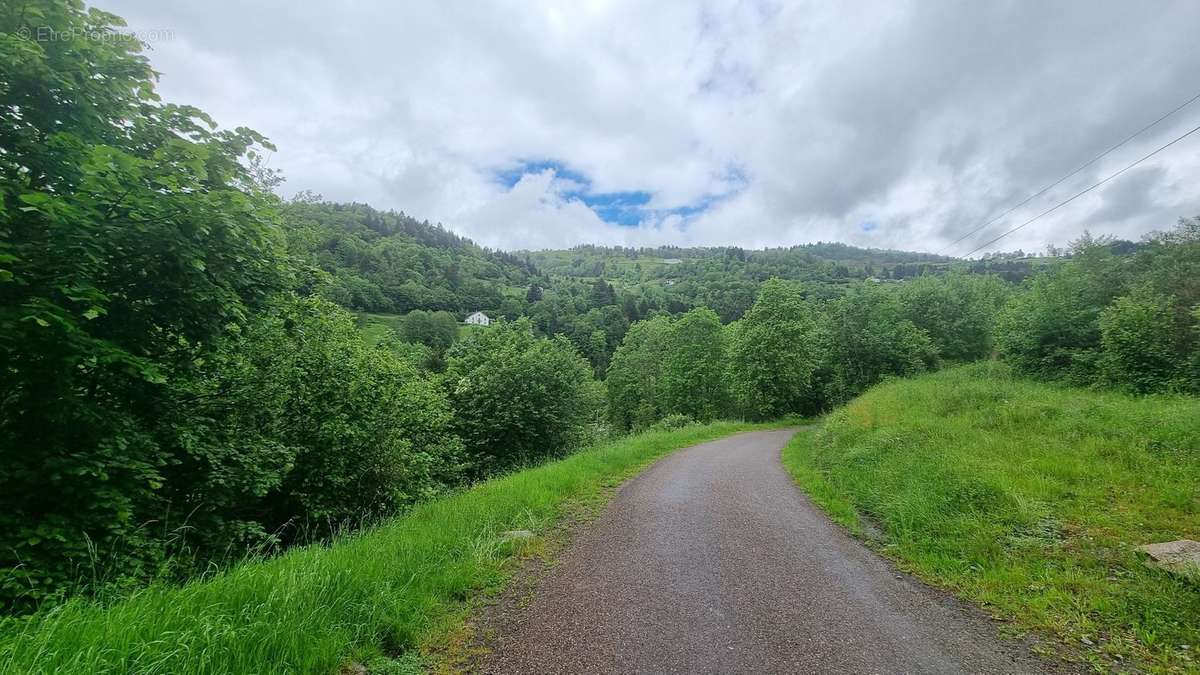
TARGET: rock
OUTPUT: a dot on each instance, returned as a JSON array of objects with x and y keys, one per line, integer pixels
[
  {"x": 516, "y": 535},
  {"x": 1180, "y": 557},
  {"x": 1086, "y": 640}
]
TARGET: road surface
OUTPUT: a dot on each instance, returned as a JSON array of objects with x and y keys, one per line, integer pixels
[{"x": 712, "y": 561}]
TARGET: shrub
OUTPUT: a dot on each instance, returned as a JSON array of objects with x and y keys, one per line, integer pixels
[
  {"x": 516, "y": 397},
  {"x": 1137, "y": 337},
  {"x": 870, "y": 339},
  {"x": 672, "y": 421}
]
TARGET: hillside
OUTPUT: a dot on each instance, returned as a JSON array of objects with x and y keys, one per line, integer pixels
[{"x": 386, "y": 264}]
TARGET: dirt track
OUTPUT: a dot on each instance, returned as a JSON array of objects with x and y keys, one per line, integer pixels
[{"x": 713, "y": 562}]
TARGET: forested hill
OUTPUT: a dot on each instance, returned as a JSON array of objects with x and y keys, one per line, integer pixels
[
  {"x": 383, "y": 261},
  {"x": 389, "y": 262},
  {"x": 822, "y": 260}
]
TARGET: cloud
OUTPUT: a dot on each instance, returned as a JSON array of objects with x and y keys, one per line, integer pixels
[{"x": 725, "y": 122}]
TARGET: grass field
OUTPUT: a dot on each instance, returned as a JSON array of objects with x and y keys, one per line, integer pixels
[
  {"x": 377, "y": 328},
  {"x": 1027, "y": 498},
  {"x": 372, "y": 598}
]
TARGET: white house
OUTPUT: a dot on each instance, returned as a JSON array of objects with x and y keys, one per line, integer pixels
[{"x": 478, "y": 319}]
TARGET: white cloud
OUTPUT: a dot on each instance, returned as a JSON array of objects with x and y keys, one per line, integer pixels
[{"x": 798, "y": 122}]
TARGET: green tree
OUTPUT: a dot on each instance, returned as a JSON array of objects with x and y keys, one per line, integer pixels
[
  {"x": 131, "y": 235},
  {"x": 1138, "y": 343},
  {"x": 297, "y": 420},
  {"x": 1051, "y": 328},
  {"x": 693, "y": 381},
  {"x": 633, "y": 380},
  {"x": 517, "y": 397},
  {"x": 436, "y": 330},
  {"x": 870, "y": 339},
  {"x": 775, "y": 354},
  {"x": 957, "y": 311}
]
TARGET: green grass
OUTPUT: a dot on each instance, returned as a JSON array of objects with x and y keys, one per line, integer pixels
[
  {"x": 316, "y": 609},
  {"x": 1028, "y": 498},
  {"x": 377, "y": 328}
]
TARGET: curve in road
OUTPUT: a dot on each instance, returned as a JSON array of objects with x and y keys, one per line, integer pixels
[{"x": 712, "y": 561}]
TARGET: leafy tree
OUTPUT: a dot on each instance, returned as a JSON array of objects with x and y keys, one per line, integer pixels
[
  {"x": 633, "y": 382},
  {"x": 296, "y": 420},
  {"x": 436, "y": 330},
  {"x": 1138, "y": 343},
  {"x": 870, "y": 339},
  {"x": 517, "y": 397},
  {"x": 957, "y": 311},
  {"x": 1051, "y": 329},
  {"x": 693, "y": 381},
  {"x": 775, "y": 354},
  {"x": 131, "y": 235}
]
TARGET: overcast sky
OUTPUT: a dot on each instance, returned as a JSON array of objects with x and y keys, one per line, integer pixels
[{"x": 529, "y": 125}]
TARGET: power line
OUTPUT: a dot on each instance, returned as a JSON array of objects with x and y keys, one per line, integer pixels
[
  {"x": 1081, "y": 167},
  {"x": 1083, "y": 192}
]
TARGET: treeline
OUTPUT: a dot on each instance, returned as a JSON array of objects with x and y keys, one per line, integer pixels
[
  {"x": 177, "y": 388},
  {"x": 795, "y": 352},
  {"x": 1106, "y": 315},
  {"x": 1112, "y": 315}
]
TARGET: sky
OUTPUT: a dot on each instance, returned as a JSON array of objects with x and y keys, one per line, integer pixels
[{"x": 528, "y": 125}]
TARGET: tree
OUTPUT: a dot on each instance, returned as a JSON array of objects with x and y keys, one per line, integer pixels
[
  {"x": 775, "y": 354},
  {"x": 693, "y": 381},
  {"x": 603, "y": 294},
  {"x": 297, "y": 420},
  {"x": 1138, "y": 343},
  {"x": 1051, "y": 328},
  {"x": 517, "y": 397},
  {"x": 436, "y": 330},
  {"x": 633, "y": 379},
  {"x": 534, "y": 293},
  {"x": 870, "y": 339},
  {"x": 131, "y": 235},
  {"x": 956, "y": 311}
]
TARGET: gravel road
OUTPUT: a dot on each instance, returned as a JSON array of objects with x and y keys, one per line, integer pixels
[{"x": 713, "y": 562}]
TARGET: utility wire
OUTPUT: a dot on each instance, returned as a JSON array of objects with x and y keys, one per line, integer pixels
[
  {"x": 1081, "y": 167},
  {"x": 1083, "y": 192}
]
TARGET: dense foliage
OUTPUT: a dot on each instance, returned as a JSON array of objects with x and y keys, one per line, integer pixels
[
  {"x": 517, "y": 397},
  {"x": 176, "y": 390},
  {"x": 1105, "y": 318},
  {"x": 127, "y": 250}
]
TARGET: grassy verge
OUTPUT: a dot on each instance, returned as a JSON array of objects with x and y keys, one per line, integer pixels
[
  {"x": 316, "y": 609},
  {"x": 1027, "y": 498}
]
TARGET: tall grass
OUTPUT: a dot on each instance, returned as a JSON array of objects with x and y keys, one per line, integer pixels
[
  {"x": 1027, "y": 497},
  {"x": 315, "y": 609}
]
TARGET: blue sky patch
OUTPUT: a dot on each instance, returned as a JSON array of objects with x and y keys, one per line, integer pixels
[
  {"x": 628, "y": 208},
  {"x": 868, "y": 226}
]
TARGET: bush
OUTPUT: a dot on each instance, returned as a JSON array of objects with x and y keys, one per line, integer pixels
[
  {"x": 672, "y": 421},
  {"x": 131, "y": 235},
  {"x": 870, "y": 339},
  {"x": 956, "y": 311},
  {"x": 517, "y": 397},
  {"x": 1137, "y": 337}
]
